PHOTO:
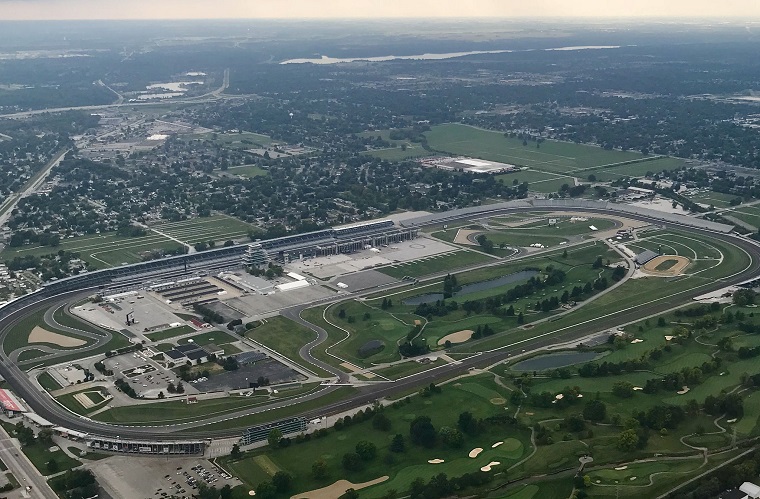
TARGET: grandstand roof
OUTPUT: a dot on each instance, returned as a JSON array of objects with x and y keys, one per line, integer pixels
[{"x": 10, "y": 402}]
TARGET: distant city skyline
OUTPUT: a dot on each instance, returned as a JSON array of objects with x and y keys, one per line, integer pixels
[{"x": 325, "y": 9}]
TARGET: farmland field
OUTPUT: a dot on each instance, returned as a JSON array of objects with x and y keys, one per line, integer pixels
[{"x": 551, "y": 156}]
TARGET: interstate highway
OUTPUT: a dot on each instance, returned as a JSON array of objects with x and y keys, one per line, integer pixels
[{"x": 43, "y": 404}]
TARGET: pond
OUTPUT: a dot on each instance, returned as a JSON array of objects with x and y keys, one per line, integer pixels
[
  {"x": 556, "y": 360},
  {"x": 474, "y": 287}
]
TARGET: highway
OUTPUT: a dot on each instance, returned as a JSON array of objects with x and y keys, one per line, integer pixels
[{"x": 41, "y": 402}]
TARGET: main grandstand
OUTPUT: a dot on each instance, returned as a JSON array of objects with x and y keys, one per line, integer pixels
[{"x": 333, "y": 241}]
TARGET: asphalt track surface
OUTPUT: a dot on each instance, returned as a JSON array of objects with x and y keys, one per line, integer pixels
[{"x": 45, "y": 406}]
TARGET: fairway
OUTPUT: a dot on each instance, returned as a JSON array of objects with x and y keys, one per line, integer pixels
[{"x": 551, "y": 156}]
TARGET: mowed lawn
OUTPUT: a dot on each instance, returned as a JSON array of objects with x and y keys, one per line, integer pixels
[
  {"x": 100, "y": 250},
  {"x": 218, "y": 228},
  {"x": 284, "y": 337},
  {"x": 550, "y": 156},
  {"x": 434, "y": 264}
]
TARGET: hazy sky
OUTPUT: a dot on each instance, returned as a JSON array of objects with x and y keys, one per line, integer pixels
[{"x": 195, "y": 9}]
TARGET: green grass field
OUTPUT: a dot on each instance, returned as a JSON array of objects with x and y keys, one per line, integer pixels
[
  {"x": 638, "y": 169},
  {"x": 215, "y": 337},
  {"x": 218, "y": 228},
  {"x": 718, "y": 199},
  {"x": 285, "y": 337},
  {"x": 100, "y": 250},
  {"x": 748, "y": 214},
  {"x": 434, "y": 264},
  {"x": 169, "y": 333},
  {"x": 243, "y": 140},
  {"x": 177, "y": 411},
  {"x": 48, "y": 383},
  {"x": 399, "y": 154},
  {"x": 247, "y": 171},
  {"x": 39, "y": 455},
  {"x": 19, "y": 337},
  {"x": 552, "y": 156}
]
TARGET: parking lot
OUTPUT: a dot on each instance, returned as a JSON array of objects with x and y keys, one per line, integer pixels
[
  {"x": 131, "y": 477},
  {"x": 144, "y": 375}
]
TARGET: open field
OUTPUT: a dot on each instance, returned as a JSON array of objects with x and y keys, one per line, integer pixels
[
  {"x": 20, "y": 335},
  {"x": 242, "y": 140},
  {"x": 177, "y": 411},
  {"x": 551, "y": 156},
  {"x": 215, "y": 337},
  {"x": 719, "y": 199},
  {"x": 39, "y": 455},
  {"x": 169, "y": 333},
  {"x": 247, "y": 171},
  {"x": 748, "y": 214},
  {"x": 639, "y": 169},
  {"x": 100, "y": 250},
  {"x": 399, "y": 154},
  {"x": 285, "y": 337},
  {"x": 434, "y": 264},
  {"x": 218, "y": 228}
]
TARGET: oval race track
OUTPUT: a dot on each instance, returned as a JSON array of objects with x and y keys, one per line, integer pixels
[{"x": 46, "y": 407}]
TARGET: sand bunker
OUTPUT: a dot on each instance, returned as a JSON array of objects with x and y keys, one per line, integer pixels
[
  {"x": 337, "y": 489},
  {"x": 498, "y": 401},
  {"x": 621, "y": 468},
  {"x": 40, "y": 335},
  {"x": 683, "y": 390},
  {"x": 637, "y": 388},
  {"x": 84, "y": 400},
  {"x": 681, "y": 262},
  {"x": 490, "y": 465},
  {"x": 467, "y": 236},
  {"x": 637, "y": 340},
  {"x": 668, "y": 338},
  {"x": 458, "y": 337},
  {"x": 731, "y": 420},
  {"x": 251, "y": 492},
  {"x": 436, "y": 461},
  {"x": 496, "y": 445},
  {"x": 475, "y": 452}
]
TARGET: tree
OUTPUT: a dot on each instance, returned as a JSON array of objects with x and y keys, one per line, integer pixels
[
  {"x": 622, "y": 389},
  {"x": 381, "y": 422},
  {"x": 25, "y": 435},
  {"x": 564, "y": 254},
  {"x": 45, "y": 437},
  {"x": 282, "y": 481},
  {"x": 467, "y": 423},
  {"x": 265, "y": 490},
  {"x": 319, "y": 469},
  {"x": 171, "y": 388},
  {"x": 349, "y": 494},
  {"x": 627, "y": 440},
  {"x": 274, "y": 437},
  {"x": 398, "y": 444},
  {"x": 520, "y": 318},
  {"x": 366, "y": 450},
  {"x": 351, "y": 461},
  {"x": 52, "y": 466},
  {"x": 180, "y": 387},
  {"x": 451, "y": 437},
  {"x": 422, "y": 432},
  {"x": 235, "y": 453},
  {"x": 226, "y": 492},
  {"x": 595, "y": 410},
  {"x": 161, "y": 395}
]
